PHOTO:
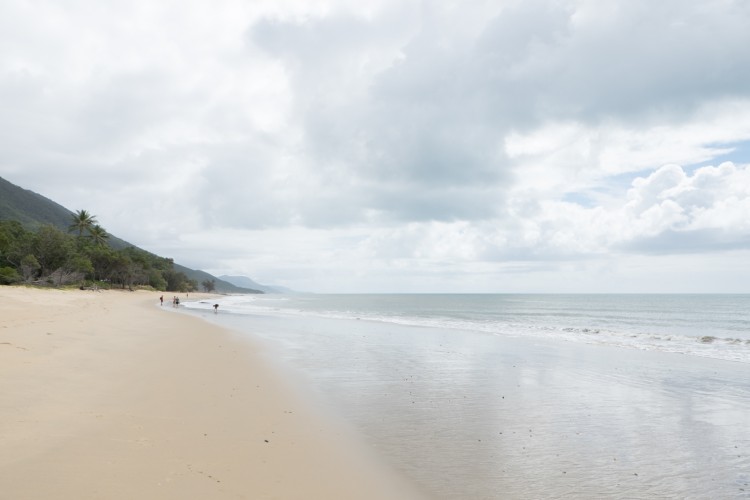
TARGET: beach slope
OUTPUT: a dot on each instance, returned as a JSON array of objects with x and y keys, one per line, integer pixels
[{"x": 109, "y": 395}]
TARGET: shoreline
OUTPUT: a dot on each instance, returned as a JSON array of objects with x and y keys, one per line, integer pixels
[
  {"x": 105, "y": 396},
  {"x": 468, "y": 415}
]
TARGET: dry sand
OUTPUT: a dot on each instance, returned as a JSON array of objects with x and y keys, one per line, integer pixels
[{"x": 106, "y": 395}]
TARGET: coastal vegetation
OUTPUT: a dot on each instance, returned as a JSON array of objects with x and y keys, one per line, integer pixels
[
  {"x": 34, "y": 228},
  {"x": 208, "y": 285},
  {"x": 46, "y": 255}
]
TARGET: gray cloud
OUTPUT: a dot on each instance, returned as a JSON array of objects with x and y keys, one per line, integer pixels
[
  {"x": 395, "y": 129},
  {"x": 622, "y": 61},
  {"x": 698, "y": 241},
  {"x": 466, "y": 134},
  {"x": 434, "y": 114}
]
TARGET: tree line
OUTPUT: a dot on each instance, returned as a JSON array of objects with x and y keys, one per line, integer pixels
[{"x": 50, "y": 256}]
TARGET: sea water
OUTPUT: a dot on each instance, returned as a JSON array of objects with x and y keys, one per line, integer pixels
[
  {"x": 715, "y": 326},
  {"x": 528, "y": 396}
]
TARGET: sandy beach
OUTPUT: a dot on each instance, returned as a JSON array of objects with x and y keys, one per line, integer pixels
[{"x": 107, "y": 395}]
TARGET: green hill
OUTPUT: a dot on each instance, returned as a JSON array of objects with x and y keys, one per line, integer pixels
[
  {"x": 222, "y": 286},
  {"x": 29, "y": 208},
  {"x": 33, "y": 210}
]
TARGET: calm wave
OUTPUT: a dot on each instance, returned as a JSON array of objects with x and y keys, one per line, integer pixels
[{"x": 715, "y": 326}]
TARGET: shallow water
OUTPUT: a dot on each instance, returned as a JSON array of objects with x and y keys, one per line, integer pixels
[
  {"x": 471, "y": 415},
  {"x": 715, "y": 326}
]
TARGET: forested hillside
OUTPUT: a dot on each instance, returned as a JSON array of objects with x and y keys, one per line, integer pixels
[
  {"x": 29, "y": 208},
  {"x": 41, "y": 242}
]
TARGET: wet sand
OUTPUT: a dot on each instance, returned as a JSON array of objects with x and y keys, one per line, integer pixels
[
  {"x": 107, "y": 395},
  {"x": 470, "y": 415}
]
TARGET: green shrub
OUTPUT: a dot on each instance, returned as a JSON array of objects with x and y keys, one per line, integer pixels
[{"x": 8, "y": 276}]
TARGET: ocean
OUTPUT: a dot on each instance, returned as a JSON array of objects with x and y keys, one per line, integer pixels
[{"x": 526, "y": 396}]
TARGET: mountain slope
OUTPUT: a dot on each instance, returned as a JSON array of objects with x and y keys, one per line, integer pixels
[
  {"x": 29, "y": 208},
  {"x": 222, "y": 285},
  {"x": 245, "y": 282},
  {"x": 33, "y": 210}
]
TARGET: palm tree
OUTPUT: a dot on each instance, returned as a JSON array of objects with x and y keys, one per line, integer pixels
[
  {"x": 98, "y": 235},
  {"x": 82, "y": 221}
]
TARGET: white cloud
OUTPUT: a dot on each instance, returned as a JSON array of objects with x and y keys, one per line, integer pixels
[
  {"x": 340, "y": 145},
  {"x": 714, "y": 198}
]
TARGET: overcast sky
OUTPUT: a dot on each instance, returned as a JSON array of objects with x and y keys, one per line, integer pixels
[{"x": 396, "y": 145}]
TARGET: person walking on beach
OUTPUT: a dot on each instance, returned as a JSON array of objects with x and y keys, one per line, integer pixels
[
  {"x": 216, "y": 308},
  {"x": 161, "y": 300}
]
